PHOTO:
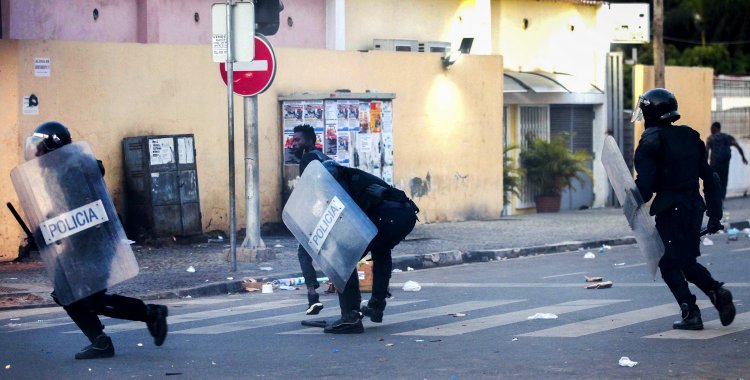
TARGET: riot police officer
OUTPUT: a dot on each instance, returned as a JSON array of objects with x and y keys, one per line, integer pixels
[
  {"x": 394, "y": 215},
  {"x": 46, "y": 138},
  {"x": 669, "y": 160},
  {"x": 304, "y": 149}
]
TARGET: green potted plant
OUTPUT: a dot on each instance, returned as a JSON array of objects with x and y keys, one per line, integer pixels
[
  {"x": 550, "y": 168},
  {"x": 512, "y": 176}
]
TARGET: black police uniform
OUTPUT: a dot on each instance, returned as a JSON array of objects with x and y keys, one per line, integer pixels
[
  {"x": 305, "y": 261},
  {"x": 85, "y": 312},
  {"x": 394, "y": 215},
  {"x": 669, "y": 160}
]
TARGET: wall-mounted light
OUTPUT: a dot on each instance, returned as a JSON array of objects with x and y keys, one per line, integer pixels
[{"x": 453, "y": 56}]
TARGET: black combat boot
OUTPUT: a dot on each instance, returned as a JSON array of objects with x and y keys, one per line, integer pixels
[
  {"x": 722, "y": 299},
  {"x": 374, "y": 310},
  {"x": 157, "y": 322},
  {"x": 101, "y": 347},
  {"x": 349, "y": 323},
  {"x": 691, "y": 318},
  {"x": 313, "y": 304}
]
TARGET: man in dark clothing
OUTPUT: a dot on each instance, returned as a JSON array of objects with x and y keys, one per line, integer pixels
[
  {"x": 669, "y": 160},
  {"x": 394, "y": 215},
  {"x": 303, "y": 147},
  {"x": 719, "y": 149},
  {"x": 85, "y": 312}
]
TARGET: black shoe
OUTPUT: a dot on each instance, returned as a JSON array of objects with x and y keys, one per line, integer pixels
[
  {"x": 375, "y": 315},
  {"x": 691, "y": 318},
  {"x": 349, "y": 324},
  {"x": 157, "y": 322},
  {"x": 313, "y": 304},
  {"x": 722, "y": 299},
  {"x": 101, "y": 348}
]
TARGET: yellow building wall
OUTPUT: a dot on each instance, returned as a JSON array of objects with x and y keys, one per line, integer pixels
[
  {"x": 447, "y": 124},
  {"x": 548, "y": 43},
  {"x": 692, "y": 86}
]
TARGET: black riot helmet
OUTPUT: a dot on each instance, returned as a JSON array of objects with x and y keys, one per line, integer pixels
[
  {"x": 46, "y": 138},
  {"x": 657, "y": 106}
]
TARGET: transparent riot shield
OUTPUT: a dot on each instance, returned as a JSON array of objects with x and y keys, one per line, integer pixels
[
  {"x": 328, "y": 224},
  {"x": 74, "y": 222},
  {"x": 639, "y": 220}
]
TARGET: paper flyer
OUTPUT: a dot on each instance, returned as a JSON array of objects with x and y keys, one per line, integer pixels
[
  {"x": 353, "y": 115},
  {"x": 292, "y": 115},
  {"x": 331, "y": 141},
  {"x": 342, "y": 116},
  {"x": 376, "y": 120},
  {"x": 331, "y": 111},
  {"x": 387, "y": 148},
  {"x": 342, "y": 155},
  {"x": 313, "y": 114},
  {"x": 387, "y": 116},
  {"x": 364, "y": 117}
]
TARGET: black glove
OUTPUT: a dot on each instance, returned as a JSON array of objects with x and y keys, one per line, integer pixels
[{"x": 714, "y": 225}]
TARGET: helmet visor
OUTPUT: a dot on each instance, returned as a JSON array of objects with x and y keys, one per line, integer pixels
[
  {"x": 35, "y": 147},
  {"x": 637, "y": 112}
]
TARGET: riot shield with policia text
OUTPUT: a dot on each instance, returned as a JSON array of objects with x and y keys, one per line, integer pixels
[
  {"x": 74, "y": 222},
  {"x": 639, "y": 220},
  {"x": 328, "y": 223}
]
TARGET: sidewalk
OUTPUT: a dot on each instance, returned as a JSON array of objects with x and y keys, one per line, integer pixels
[{"x": 163, "y": 270}]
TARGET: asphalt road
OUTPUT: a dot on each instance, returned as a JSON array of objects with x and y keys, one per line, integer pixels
[{"x": 489, "y": 334}]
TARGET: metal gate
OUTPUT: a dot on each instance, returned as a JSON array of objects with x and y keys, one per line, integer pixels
[
  {"x": 534, "y": 122},
  {"x": 576, "y": 123}
]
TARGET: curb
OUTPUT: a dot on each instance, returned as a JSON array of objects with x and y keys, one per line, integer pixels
[{"x": 416, "y": 261}]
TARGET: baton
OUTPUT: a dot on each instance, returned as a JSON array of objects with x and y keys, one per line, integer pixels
[
  {"x": 705, "y": 231},
  {"x": 21, "y": 222}
]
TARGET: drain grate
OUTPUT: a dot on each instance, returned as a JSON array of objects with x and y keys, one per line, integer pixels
[{"x": 8, "y": 289}]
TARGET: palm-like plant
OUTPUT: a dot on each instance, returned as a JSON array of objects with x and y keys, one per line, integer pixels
[
  {"x": 512, "y": 175},
  {"x": 551, "y": 166}
]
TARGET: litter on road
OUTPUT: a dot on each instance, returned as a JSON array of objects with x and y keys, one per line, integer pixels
[
  {"x": 601, "y": 285},
  {"x": 707, "y": 241},
  {"x": 191, "y": 269},
  {"x": 543, "y": 316},
  {"x": 593, "y": 279},
  {"x": 626, "y": 362},
  {"x": 412, "y": 286},
  {"x": 589, "y": 255},
  {"x": 457, "y": 314}
]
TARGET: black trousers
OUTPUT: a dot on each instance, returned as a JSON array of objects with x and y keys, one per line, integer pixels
[
  {"x": 85, "y": 312},
  {"x": 394, "y": 224},
  {"x": 722, "y": 169},
  {"x": 679, "y": 227},
  {"x": 308, "y": 271}
]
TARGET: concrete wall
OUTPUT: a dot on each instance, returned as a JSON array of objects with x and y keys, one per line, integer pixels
[
  {"x": 148, "y": 21},
  {"x": 447, "y": 124},
  {"x": 692, "y": 86}
]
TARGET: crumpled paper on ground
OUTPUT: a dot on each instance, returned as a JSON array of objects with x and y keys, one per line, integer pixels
[
  {"x": 626, "y": 362},
  {"x": 412, "y": 286},
  {"x": 543, "y": 316}
]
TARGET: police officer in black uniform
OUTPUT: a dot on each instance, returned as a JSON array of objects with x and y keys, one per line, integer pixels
[
  {"x": 394, "y": 215},
  {"x": 304, "y": 149},
  {"x": 669, "y": 160},
  {"x": 84, "y": 312}
]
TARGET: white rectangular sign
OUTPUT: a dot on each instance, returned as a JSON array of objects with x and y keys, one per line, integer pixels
[
  {"x": 243, "y": 32},
  {"x": 73, "y": 222},
  {"x": 325, "y": 224},
  {"x": 42, "y": 67}
]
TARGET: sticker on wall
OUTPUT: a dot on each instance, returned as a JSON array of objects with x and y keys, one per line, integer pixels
[
  {"x": 42, "y": 67},
  {"x": 161, "y": 151},
  {"x": 30, "y": 105},
  {"x": 331, "y": 143}
]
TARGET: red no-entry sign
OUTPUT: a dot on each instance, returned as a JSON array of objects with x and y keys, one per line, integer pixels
[{"x": 252, "y": 78}]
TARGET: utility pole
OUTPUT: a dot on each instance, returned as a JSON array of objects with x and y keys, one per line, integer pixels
[{"x": 658, "y": 28}]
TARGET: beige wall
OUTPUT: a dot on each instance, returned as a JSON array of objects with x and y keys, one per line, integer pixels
[
  {"x": 447, "y": 124},
  {"x": 692, "y": 86}
]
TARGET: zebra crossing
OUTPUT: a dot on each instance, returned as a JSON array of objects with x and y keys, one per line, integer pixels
[{"x": 216, "y": 316}]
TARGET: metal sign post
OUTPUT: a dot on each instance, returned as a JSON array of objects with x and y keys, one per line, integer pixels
[
  {"x": 252, "y": 188},
  {"x": 230, "y": 102}
]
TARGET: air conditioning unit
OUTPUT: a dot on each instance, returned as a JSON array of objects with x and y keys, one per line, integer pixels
[
  {"x": 395, "y": 45},
  {"x": 434, "y": 47}
]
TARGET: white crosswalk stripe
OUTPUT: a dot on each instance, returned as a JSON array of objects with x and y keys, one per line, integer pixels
[
  {"x": 712, "y": 329},
  {"x": 264, "y": 322},
  {"x": 425, "y": 313},
  {"x": 483, "y": 323},
  {"x": 283, "y": 316},
  {"x": 609, "y": 322}
]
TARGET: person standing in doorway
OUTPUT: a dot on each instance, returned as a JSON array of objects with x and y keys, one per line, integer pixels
[{"x": 719, "y": 150}]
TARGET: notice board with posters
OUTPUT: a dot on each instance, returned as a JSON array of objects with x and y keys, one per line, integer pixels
[{"x": 355, "y": 129}]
